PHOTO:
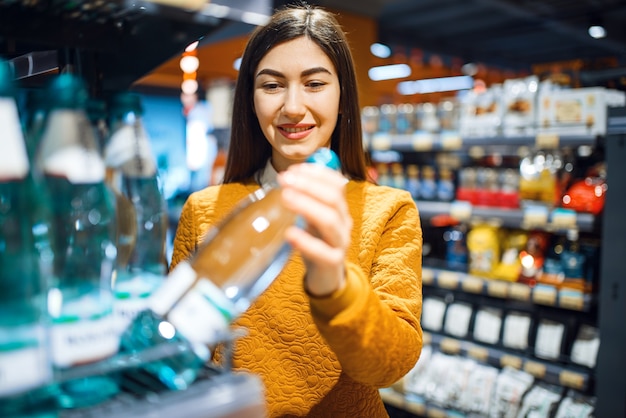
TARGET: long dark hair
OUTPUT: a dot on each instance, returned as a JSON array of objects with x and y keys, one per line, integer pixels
[{"x": 249, "y": 150}]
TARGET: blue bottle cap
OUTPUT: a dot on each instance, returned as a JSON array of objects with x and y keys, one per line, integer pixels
[{"x": 325, "y": 156}]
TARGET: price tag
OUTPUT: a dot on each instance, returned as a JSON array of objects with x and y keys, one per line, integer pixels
[
  {"x": 450, "y": 346},
  {"x": 381, "y": 141},
  {"x": 448, "y": 279},
  {"x": 546, "y": 140},
  {"x": 519, "y": 291},
  {"x": 511, "y": 361},
  {"x": 478, "y": 353},
  {"x": 498, "y": 289},
  {"x": 428, "y": 276},
  {"x": 563, "y": 218},
  {"x": 451, "y": 141},
  {"x": 572, "y": 300},
  {"x": 472, "y": 284},
  {"x": 392, "y": 397},
  {"x": 572, "y": 379},
  {"x": 461, "y": 210},
  {"x": 436, "y": 413},
  {"x": 422, "y": 141},
  {"x": 416, "y": 408},
  {"x": 536, "y": 369},
  {"x": 535, "y": 217},
  {"x": 544, "y": 295}
]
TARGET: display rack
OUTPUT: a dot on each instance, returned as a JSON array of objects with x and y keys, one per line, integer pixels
[{"x": 607, "y": 308}]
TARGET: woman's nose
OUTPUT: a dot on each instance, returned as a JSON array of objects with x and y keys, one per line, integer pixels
[{"x": 294, "y": 103}]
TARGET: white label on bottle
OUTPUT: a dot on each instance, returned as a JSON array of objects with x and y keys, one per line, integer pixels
[
  {"x": 173, "y": 288},
  {"x": 132, "y": 296},
  {"x": 25, "y": 367},
  {"x": 124, "y": 145},
  {"x": 83, "y": 341},
  {"x": 204, "y": 314},
  {"x": 13, "y": 158},
  {"x": 61, "y": 150}
]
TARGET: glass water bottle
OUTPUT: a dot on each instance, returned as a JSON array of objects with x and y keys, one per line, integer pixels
[
  {"x": 25, "y": 267},
  {"x": 194, "y": 307},
  {"x": 80, "y": 300},
  {"x": 132, "y": 171}
]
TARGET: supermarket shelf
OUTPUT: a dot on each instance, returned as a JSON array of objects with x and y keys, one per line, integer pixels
[
  {"x": 229, "y": 395},
  {"x": 549, "y": 372},
  {"x": 541, "y": 294},
  {"x": 533, "y": 216},
  {"x": 452, "y": 141}
]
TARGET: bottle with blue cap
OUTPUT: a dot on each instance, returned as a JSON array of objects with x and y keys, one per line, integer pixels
[{"x": 238, "y": 260}]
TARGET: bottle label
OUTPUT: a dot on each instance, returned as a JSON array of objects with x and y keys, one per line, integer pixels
[
  {"x": 132, "y": 296},
  {"x": 130, "y": 144},
  {"x": 13, "y": 158},
  {"x": 24, "y": 365},
  {"x": 77, "y": 341},
  {"x": 69, "y": 149}
]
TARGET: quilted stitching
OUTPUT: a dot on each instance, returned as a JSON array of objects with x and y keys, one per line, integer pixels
[{"x": 328, "y": 357}]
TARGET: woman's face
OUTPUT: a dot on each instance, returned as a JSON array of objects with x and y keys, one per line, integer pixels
[{"x": 296, "y": 100}]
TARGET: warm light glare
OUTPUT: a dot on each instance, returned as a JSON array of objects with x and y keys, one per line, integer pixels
[
  {"x": 389, "y": 72},
  {"x": 189, "y": 63},
  {"x": 189, "y": 86},
  {"x": 434, "y": 85},
  {"x": 380, "y": 50},
  {"x": 192, "y": 46},
  {"x": 597, "y": 31}
]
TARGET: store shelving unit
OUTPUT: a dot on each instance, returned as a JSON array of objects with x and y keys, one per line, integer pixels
[
  {"x": 608, "y": 305},
  {"x": 111, "y": 44}
]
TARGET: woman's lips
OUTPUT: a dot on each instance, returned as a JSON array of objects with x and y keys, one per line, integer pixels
[{"x": 295, "y": 132}]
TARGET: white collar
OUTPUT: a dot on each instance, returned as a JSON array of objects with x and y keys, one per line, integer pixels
[{"x": 267, "y": 175}]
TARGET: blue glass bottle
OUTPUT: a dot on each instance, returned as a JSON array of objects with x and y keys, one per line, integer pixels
[
  {"x": 132, "y": 172},
  {"x": 80, "y": 300},
  {"x": 25, "y": 265}
]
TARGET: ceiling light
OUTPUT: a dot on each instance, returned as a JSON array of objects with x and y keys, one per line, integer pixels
[
  {"x": 597, "y": 31},
  {"x": 189, "y": 86},
  {"x": 389, "y": 72},
  {"x": 379, "y": 50},
  {"x": 189, "y": 64},
  {"x": 435, "y": 85}
]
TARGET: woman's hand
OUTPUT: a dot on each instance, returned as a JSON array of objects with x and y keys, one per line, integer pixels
[{"x": 317, "y": 194}]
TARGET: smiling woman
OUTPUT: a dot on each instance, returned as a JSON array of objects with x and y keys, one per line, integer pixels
[{"x": 342, "y": 319}]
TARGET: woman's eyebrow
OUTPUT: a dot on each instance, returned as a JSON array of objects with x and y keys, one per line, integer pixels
[{"x": 305, "y": 73}]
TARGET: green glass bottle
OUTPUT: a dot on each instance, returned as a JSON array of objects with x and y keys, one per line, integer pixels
[
  {"x": 132, "y": 172},
  {"x": 25, "y": 266},
  {"x": 80, "y": 300}
]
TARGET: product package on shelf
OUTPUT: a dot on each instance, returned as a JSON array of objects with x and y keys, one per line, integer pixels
[
  {"x": 520, "y": 106},
  {"x": 579, "y": 111}
]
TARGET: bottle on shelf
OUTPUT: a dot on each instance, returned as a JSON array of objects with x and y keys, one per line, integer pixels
[
  {"x": 413, "y": 180},
  {"x": 25, "y": 267},
  {"x": 398, "y": 178},
  {"x": 132, "y": 173},
  {"x": 428, "y": 185},
  {"x": 238, "y": 260},
  {"x": 80, "y": 300},
  {"x": 445, "y": 185}
]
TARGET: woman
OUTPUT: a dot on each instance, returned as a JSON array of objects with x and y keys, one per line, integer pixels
[{"x": 342, "y": 319}]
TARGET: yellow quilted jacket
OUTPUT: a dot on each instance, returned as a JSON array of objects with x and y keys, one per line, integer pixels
[{"x": 327, "y": 357}]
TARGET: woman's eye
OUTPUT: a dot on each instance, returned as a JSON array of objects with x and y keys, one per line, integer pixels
[
  {"x": 316, "y": 84},
  {"x": 271, "y": 86}
]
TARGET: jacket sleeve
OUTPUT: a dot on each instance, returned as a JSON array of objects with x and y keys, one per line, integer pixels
[{"x": 373, "y": 323}]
